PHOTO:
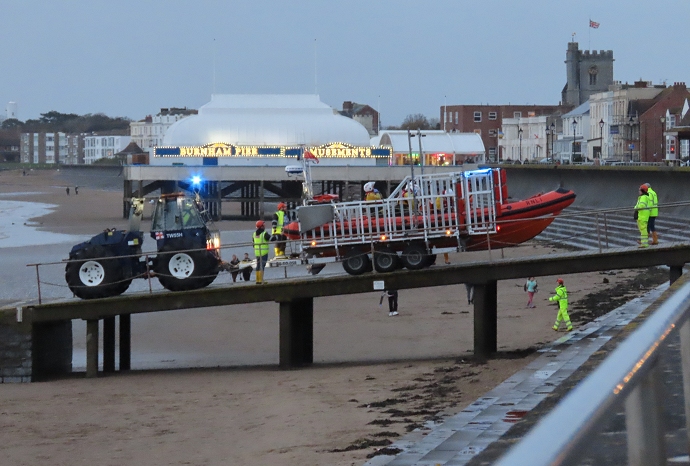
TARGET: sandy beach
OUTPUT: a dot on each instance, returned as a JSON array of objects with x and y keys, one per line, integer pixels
[{"x": 375, "y": 377}]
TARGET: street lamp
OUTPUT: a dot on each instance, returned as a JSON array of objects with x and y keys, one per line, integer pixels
[
  {"x": 663, "y": 146},
  {"x": 630, "y": 144},
  {"x": 553, "y": 135},
  {"x": 520, "y": 137},
  {"x": 548, "y": 132},
  {"x": 572, "y": 156},
  {"x": 601, "y": 137}
]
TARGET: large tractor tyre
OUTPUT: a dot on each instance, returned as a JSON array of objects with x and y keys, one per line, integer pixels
[
  {"x": 415, "y": 256},
  {"x": 182, "y": 271},
  {"x": 356, "y": 262},
  {"x": 386, "y": 260},
  {"x": 96, "y": 274}
]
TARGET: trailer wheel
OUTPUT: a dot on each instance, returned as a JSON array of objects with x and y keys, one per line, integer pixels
[
  {"x": 181, "y": 271},
  {"x": 430, "y": 260},
  {"x": 386, "y": 260},
  {"x": 356, "y": 262},
  {"x": 415, "y": 256},
  {"x": 96, "y": 275}
]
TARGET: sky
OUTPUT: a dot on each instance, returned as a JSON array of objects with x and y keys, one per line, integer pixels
[{"x": 130, "y": 58}]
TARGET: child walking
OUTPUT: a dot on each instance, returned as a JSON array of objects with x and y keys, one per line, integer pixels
[{"x": 530, "y": 288}]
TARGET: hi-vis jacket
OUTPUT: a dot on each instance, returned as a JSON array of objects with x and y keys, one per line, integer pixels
[
  {"x": 561, "y": 296},
  {"x": 654, "y": 202},
  {"x": 643, "y": 207}
]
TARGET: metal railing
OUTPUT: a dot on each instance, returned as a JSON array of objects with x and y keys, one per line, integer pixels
[{"x": 629, "y": 376}]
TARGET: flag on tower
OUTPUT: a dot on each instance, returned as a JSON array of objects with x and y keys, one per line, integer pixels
[{"x": 593, "y": 24}]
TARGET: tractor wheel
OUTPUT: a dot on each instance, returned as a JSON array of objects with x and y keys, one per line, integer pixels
[
  {"x": 386, "y": 260},
  {"x": 96, "y": 274},
  {"x": 181, "y": 271},
  {"x": 415, "y": 256},
  {"x": 356, "y": 262}
]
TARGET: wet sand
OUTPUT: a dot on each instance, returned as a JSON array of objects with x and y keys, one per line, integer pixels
[{"x": 333, "y": 413}]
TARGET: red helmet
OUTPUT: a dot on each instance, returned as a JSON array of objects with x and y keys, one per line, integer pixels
[
  {"x": 260, "y": 224},
  {"x": 559, "y": 281},
  {"x": 643, "y": 188},
  {"x": 281, "y": 206}
]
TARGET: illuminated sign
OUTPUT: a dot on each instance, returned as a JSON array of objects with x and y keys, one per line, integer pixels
[{"x": 219, "y": 149}]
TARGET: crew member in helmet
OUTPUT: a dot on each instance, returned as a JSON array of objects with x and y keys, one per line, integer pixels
[
  {"x": 371, "y": 193},
  {"x": 562, "y": 297},
  {"x": 277, "y": 230},
  {"x": 260, "y": 239},
  {"x": 642, "y": 211}
]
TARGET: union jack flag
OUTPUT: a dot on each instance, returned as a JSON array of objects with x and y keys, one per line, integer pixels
[
  {"x": 593, "y": 24},
  {"x": 159, "y": 235}
]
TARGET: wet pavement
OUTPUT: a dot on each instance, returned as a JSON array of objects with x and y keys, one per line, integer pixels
[{"x": 486, "y": 429}]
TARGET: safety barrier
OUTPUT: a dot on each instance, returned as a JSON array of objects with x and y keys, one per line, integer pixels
[{"x": 630, "y": 376}]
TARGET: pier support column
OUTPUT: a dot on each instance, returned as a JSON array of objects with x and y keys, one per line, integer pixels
[
  {"x": 296, "y": 333},
  {"x": 675, "y": 272},
  {"x": 92, "y": 348},
  {"x": 109, "y": 344},
  {"x": 485, "y": 318},
  {"x": 125, "y": 342}
]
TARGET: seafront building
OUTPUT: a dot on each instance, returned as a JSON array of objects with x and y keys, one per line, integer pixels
[
  {"x": 104, "y": 145},
  {"x": 51, "y": 148},
  {"x": 149, "y": 132}
]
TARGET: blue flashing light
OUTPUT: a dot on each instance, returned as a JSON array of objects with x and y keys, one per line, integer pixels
[
  {"x": 196, "y": 180},
  {"x": 477, "y": 172}
]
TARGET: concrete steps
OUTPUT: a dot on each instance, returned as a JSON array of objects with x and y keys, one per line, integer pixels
[{"x": 578, "y": 228}]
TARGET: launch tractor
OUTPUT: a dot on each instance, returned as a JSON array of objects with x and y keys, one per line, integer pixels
[{"x": 188, "y": 251}]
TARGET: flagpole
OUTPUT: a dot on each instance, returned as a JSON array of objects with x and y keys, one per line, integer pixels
[{"x": 589, "y": 34}]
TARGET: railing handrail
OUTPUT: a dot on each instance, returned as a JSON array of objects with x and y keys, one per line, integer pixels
[{"x": 557, "y": 438}]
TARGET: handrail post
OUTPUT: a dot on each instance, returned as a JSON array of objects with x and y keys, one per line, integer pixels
[
  {"x": 646, "y": 445},
  {"x": 606, "y": 231},
  {"x": 38, "y": 283},
  {"x": 598, "y": 233},
  {"x": 148, "y": 273},
  {"x": 685, "y": 367}
]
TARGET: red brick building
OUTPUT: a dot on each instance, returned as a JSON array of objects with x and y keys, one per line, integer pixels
[
  {"x": 485, "y": 120},
  {"x": 661, "y": 113}
]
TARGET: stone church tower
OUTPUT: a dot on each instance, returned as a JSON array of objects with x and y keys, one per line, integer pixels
[{"x": 587, "y": 72}]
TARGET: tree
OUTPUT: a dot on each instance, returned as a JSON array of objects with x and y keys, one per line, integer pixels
[{"x": 416, "y": 121}]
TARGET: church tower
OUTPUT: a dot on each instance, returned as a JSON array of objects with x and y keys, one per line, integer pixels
[{"x": 587, "y": 73}]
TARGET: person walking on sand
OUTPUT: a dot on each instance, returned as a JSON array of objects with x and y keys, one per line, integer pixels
[
  {"x": 392, "y": 296},
  {"x": 76, "y": 190},
  {"x": 530, "y": 288},
  {"x": 562, "y": 297},
  {"x": 470, "y": 293},
  {"x": 67, "y": 190}
]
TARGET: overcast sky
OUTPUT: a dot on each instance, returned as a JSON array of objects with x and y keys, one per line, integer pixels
[{"x": 132, "y": 57}]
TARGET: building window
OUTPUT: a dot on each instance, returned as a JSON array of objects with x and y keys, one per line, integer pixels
[
  {"x": 449, "y": 117},
  {"x": 592, "y": 79},
  {"x": 456, "y": 118},
  {"x": 517, "y": 114},
  {"x": 492, "y": 151},
  {"x": 478, "y": 131},
  {"x": 493, "y": 115},
  {"x": 492, "y": 133},
  {"x": 477, "y": 117}
]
